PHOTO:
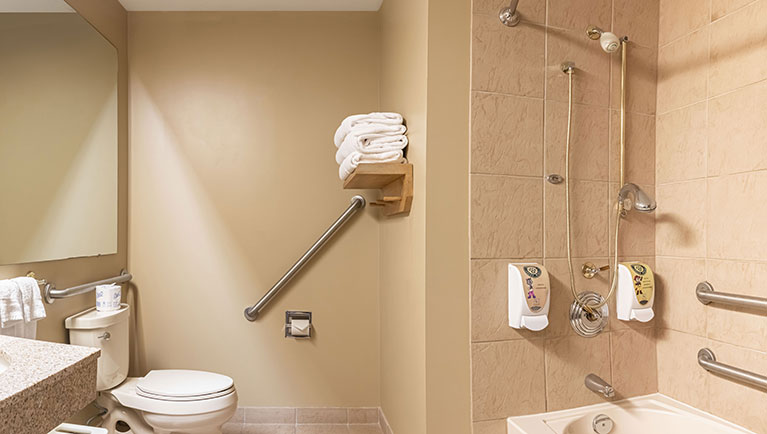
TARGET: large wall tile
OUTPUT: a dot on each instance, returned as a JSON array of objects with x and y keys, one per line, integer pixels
[
  {"x": 679, "y": 375},
  {"x": 591, "y": 82},
  {"x": 507, "y": 379},
  {"x": 640, "y": 148},
  {"x": 737, "y": 131},
  {"x": 507, "y": 60},
  {"x": 680, "y": 17},
  {"x": 578, "y": 14},
  {"x": 530, "y": 10},
  {"x": 737, "y": 326},
  {"x": 589, "y": 219},
  {"x": 676, "y": 306},
  {"x": 638, "y": 20},
  {"x": 641, "y": 79},
  {"x": 732, "y": 400},
  {"x": 634, "y": 362},
  {"x": 720, "y": 8},
  {"x": 681, "y": 144},
  {"x": 589, "y": 141},
  {"x": 682, "y": 71},
  {"x": 680, "y": 219},
  {"x": 490, "y": 301},
  {"x": 738, "y": 49},
  {"x": 506, "y": 134},
  {"x": 497, "y": 426},
  {"x": 736, "y": 210},
  {"x": 568, "y": 362},
  {"x": 506, "y": 217}
]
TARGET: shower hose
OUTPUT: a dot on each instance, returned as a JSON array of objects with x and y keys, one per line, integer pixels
[{"x": 589, "y": 308}]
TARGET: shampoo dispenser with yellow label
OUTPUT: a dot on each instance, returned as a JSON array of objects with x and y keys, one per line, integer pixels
[
  {"x": 636, "y": 292},
  {"x": 528, "y": 296}
]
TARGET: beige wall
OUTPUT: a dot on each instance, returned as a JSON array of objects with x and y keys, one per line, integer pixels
[
  {"x": 232, "y": 178},
  {"x": 404, "y": 27},
  {"x": 518, "y": 115},
  {"x": 108, "y": 17},
  {"x": 711, "y": 182},
  {"x": 448, "y": 385}
]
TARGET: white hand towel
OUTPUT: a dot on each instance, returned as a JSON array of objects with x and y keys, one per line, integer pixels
[
  {"x": 34, "y": 309},
  {"x": 370, "y": 118},
  {"x": 11, "y": 307},
  {"x": 356, "y": 158},
  {"x": 370, "y": 142}
]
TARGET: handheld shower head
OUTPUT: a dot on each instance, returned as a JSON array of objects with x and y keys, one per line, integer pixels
[
  {"x": 609, "y": 42},
  {"x": 642, "y": 202}
]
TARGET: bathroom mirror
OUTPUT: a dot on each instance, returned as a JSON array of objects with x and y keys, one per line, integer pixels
[{"x": 58, "y": 134}]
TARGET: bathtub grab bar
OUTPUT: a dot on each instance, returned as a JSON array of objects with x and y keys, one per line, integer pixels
[
  {"x": 706, "y": 294},
  {"x": 251, "y": 312},
  {"x": 707, "y": 360},
  {"x": 50, "y": 293}
]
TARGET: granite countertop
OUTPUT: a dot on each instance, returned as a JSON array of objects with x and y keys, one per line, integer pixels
[{"x": 36, "y": 365}]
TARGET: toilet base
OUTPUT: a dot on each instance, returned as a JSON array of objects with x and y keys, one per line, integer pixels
[{"x": 142, "y": 422}]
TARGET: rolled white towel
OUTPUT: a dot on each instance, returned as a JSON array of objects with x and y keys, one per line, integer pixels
[
  {"x": 34, "y": 309},
  {"x": 370, "y": 118},
  {"x": 356, "y": 158},
  {"x": 370, "y": 142},
  {"x": 11, "y": 306}
]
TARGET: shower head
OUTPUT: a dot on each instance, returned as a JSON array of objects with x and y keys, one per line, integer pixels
[
  {"x": 609, "y": 42},
  {"x": 642, "y": 202}
]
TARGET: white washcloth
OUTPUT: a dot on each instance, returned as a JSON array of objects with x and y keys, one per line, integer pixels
[
  {"x": 371, "y": 118},
  {"x": 356, "y": 158},
  {"x": 34, "y": 309},
  {"x": 368, "y": 141},
  {"x": 11, "y": 307}
]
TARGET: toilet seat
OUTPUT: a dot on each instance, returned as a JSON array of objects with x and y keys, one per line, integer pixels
[{"x": 196, "y": 401}]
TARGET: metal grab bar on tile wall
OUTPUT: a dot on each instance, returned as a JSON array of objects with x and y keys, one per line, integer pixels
[
  {"x": 50, "y": 293},
  {"x": 706, "y": 294},
  {"x": 707, "y": 360},
  {"x": 251, "y": 312}
]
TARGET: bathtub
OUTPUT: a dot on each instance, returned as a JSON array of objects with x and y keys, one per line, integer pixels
[{"x": 650, "y": 414}]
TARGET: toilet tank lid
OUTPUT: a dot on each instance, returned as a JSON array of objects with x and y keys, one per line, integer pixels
[
  {"x": 183, "y": 383},
  {"x": 93, "y": 319}
]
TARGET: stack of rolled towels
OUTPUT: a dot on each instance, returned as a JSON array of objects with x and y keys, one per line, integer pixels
[{"x": 370, "y": 138}]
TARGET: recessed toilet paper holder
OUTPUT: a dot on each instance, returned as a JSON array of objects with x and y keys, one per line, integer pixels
[{"x": 298, "y": 324}]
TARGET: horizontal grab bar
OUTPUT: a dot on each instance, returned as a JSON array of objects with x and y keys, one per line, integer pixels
[
  {"x": 251, "y": 312},
  {"x": 707, "y": 360},
  {"x": 706, "y": 294},
  {"x": 51, "y": 293}
]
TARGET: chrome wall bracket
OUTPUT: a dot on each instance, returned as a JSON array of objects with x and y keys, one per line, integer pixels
[
  {"x": 555, "y": 178},
  {"x": 509, "y": 16}
]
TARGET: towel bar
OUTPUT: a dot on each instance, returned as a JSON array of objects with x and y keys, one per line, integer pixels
[
  {"x": 706, "y": 294},
  {"x": 707, "y": 360}
]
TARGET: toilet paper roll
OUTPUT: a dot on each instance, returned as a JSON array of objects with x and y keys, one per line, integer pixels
[
  {"x": 300, "y": 327},
  {"x": 108, "y": 297}
]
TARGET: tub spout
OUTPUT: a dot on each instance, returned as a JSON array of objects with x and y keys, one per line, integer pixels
[{"x": 598, "y": 385}]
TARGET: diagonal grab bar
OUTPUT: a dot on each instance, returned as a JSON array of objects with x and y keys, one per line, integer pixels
[
  {"x": 707, "y": 360},
  {"x": 252, "y": 312}
]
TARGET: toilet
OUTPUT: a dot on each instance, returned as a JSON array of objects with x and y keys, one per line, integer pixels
[{"x": 164, "y": 401}]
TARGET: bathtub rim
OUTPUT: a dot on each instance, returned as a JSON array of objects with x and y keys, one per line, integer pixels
[{"x": 653, "y": 399}]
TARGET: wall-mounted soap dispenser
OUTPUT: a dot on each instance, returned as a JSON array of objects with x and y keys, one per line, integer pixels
[
  {"x": 636, "y": 292},
  {"x": 529, "y": 302}
]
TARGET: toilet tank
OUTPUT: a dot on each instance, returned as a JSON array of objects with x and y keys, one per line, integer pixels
[{"x": 109, "y": 332}]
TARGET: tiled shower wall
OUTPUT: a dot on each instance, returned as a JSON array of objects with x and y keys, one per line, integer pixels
[
  {"x": 519, "y": 111},
  {"x": 712, "y": 179}
]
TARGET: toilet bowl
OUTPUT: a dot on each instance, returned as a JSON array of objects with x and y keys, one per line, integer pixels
[{"x": 164, "y": 401}]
